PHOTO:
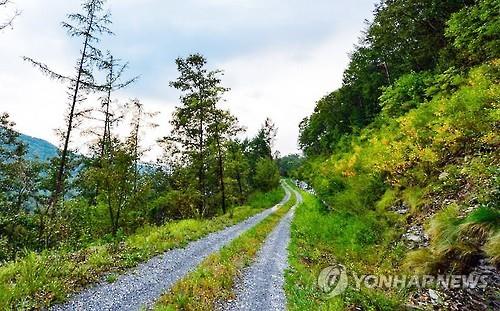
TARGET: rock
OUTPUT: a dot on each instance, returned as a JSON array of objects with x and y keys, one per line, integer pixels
[
  {"x": 435, "y": 298},
  {"x": 413, "y": 238},
  {"x": 443, "y": 176}
]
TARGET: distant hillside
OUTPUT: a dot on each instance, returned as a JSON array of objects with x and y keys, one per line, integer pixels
[{"x": 38, "y": 148}]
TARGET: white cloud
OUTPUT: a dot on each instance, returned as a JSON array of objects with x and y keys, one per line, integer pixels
[
  {"x": 284, "y": 85},
  {"x": 281, "y": 78}
]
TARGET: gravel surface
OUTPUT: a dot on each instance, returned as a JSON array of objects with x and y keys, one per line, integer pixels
[
  {"x": 261, "y": 285},
  {"x": 144, "y": 284}
]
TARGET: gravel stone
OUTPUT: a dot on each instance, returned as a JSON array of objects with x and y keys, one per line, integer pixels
[
  {"x": 261, "y": 285},
  {"x": 140, "y": 287}
]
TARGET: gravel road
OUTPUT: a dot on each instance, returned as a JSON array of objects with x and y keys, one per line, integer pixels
[
  {"x": 144, "y": 284},
  {"x": 261, "y": 285}
]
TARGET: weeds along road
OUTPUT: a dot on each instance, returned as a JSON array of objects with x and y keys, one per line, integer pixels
[
  {"x": 141, "y": 286},
  {"x": 261, "y": 286}
]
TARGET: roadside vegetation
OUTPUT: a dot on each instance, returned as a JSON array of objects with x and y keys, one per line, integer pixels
[
  {"x": 212, "y": 282},
  {"x": 41, "y": 279},
  {"x": 408, "y": 144},
  {"x": 320, "y": 238}
]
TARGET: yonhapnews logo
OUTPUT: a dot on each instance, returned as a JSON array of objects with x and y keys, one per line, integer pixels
[{"x": 333, "y": 281}]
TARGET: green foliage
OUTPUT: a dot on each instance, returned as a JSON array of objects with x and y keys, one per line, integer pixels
[
  {"x": 492, "y": 248},
  {"x": 475, "y": 31},
  {"x": 438, "y": 150},
  {"x": 406, "y": 93},
  {"x": 265, "y": 199},
  {"x": 289, "y": 164},
  {"x": 267, "y": 175},
  {"x": 398, "y": 52},
  {"x": 321, "y": 238}
]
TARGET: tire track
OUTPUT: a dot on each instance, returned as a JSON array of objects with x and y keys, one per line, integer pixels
[{"x": 261, "y": 285}]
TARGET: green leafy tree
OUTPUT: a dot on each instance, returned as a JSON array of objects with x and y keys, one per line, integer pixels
[
  {"x": 475, "y": 31},
  {"x": 289, "y": 164},
  {"x": 19, "y": 185},
  {"x": 200, "y": 129},
  {"x": 267, "y": 175},
  {"x": 238, "y": 171}
]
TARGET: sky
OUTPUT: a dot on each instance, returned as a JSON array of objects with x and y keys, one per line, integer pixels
[{"x": 278, "y": 56}]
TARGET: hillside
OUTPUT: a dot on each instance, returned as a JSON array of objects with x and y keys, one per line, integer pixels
[
  {"x": 38, "y": 148},
  {"x": 404, "y": 160}
]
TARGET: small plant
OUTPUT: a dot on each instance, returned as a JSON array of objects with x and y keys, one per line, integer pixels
[{"x": 111, "y": 278}]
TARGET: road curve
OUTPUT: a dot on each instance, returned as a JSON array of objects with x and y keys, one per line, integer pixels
[
  {"x": 261, "y": 285},
  {"x": 141, "y": 286}
]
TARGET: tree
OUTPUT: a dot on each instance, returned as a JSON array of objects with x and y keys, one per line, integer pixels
[
  {"x": 110, "y": 113},
  {"x": 114, "y": 71},
  {"x": 261, "y": 146},
  {"x": 89, "y": 25},
  {"x": 116, "y": 175},
  {"x": 19, "y": 188},
  {"x": 475, "y": 31},
  {"x": 223, "y": 128},
  {"x": 199, "y": 126},
  {"x": 139, "y": 119},
  {"x": 267, "y": 175},
  {"x": 289, "y": 164},
  {"x": 238, "y": 168}
]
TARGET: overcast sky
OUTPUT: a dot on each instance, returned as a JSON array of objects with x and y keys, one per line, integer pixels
[{"x": 279, "y": 57}]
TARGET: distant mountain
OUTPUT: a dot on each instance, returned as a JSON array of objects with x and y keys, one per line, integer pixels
[{"x": 38, "y": 148}]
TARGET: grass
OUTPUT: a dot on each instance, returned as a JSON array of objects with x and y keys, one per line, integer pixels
[
  {"x": 321, "y": 238},
  {"x": 212, "y": 282},
  {"x": 42, "y": 279}
]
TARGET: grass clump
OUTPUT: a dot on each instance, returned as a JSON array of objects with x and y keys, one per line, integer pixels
[
  {"x": 214, "y": 279},
  {"x": 458, "y": 242}
]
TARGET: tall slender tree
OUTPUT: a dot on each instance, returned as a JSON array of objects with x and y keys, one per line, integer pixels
[
  {"x": 89, "y": 26},
  {"x": 114, "y": 71},
  {"x": 224, "y": 127},
  {"x": 140, "y": 119}
]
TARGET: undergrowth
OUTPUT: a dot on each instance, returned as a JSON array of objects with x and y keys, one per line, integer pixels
[{"x": 42, "y": 279}]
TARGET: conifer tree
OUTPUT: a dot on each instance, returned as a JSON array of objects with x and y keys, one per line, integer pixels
[{"x": 88, "y": 25}]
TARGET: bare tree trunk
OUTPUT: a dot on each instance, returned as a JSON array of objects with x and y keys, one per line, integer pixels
[
  {"x": 221, "y": 175},
  {"x": 201, "y": 173},
  {"x": 62, "y": 165}
]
